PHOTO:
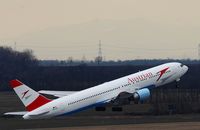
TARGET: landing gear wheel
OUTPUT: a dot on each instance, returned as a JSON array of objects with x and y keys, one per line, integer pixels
[
  {"x": 100, "y": 109},
  {"x": 117, "y": 109}
]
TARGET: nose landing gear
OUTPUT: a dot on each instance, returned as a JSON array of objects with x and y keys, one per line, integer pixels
[{"x": 177, "y": 83}]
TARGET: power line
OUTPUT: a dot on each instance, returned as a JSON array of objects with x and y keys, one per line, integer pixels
[
  {"x": 100, "y": 52},
  {"x": 99, "y": 58}
]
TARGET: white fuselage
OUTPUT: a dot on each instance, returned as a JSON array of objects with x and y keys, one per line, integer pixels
[{"x": 108, "y": 91}]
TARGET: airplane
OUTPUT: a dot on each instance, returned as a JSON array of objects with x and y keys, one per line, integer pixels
[{"x": 134, "y": 87}]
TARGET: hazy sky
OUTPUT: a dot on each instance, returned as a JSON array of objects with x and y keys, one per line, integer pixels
[{"x": 129, "y": 29}]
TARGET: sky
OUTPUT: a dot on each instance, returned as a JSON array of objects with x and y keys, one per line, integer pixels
[{"x": 128, "y": 29}]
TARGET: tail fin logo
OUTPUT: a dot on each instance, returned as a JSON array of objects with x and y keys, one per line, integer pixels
[{"x": 24, "y": 94}]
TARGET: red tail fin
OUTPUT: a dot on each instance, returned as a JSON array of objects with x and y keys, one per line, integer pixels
[{"x": 30, "y": 98}]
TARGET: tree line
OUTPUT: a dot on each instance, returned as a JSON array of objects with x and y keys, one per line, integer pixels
[{"x": 25, "y": 67}]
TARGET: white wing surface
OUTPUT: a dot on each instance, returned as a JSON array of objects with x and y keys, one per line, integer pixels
[{"x": 57, "y": 93}]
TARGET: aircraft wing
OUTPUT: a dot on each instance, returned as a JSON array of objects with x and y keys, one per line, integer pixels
[
  {"x": 21, "y": 113},
  {"x": 57, "y": 93},
  {"x": 121, "y": 99},
  {"x": 126, "y": 97}
]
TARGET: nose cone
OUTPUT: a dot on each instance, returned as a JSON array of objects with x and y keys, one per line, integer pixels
[{"x": 185, "y": 69}]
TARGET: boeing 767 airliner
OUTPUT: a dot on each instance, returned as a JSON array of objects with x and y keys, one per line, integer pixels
[{"x": 134, "y": 87}]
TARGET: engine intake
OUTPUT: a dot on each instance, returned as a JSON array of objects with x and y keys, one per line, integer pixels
[{"x": 141, "y": 95}]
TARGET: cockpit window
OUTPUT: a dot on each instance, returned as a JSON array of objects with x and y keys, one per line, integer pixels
[{"x": 181, "y": 65}]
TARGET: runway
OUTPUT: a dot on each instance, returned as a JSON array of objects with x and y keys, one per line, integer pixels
[
  {"x": 90, "y": 119},
  {"x": 86, "y": 121},
  {"x": 150, "y": 126}
]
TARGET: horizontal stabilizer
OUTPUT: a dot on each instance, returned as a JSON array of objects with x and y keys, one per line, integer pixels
[
  {"x": 39, "y": 113},
  {"x": 21, "y": 113}
]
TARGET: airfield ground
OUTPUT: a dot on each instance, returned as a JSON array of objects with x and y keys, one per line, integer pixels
[
  {"x": 151, "y": 126},
  {"x": 90, "y": 119}
]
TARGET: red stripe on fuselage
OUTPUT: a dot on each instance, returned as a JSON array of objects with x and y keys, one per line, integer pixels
[{"x": 39, "y": 101}]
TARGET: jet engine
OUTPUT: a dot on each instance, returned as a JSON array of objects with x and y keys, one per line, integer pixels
[{"x": 141, "y": 95}]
